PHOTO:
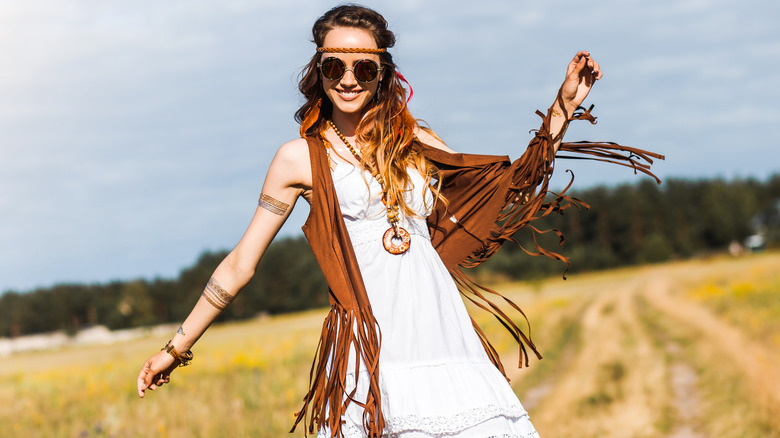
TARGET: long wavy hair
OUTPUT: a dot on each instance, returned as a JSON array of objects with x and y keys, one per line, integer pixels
[{"x": 386, "y": 131}]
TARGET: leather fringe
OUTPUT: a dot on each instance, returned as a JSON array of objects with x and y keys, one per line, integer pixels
[
  {"x": 344, "y": 331},
  {"x": 528, "y": 200},
  {"x": 477, "y": 295}
]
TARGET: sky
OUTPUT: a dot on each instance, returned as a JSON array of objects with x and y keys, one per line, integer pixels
[{"x": 134, "y": 136}]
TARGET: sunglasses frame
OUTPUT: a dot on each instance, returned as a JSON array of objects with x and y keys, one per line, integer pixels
[{"x": 352, "y": 69}]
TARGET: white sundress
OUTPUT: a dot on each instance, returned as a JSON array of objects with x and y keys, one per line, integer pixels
[{"x": 436, "y": 379}]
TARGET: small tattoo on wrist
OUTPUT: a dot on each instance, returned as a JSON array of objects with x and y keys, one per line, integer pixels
[{"x": 180, "y": 330}]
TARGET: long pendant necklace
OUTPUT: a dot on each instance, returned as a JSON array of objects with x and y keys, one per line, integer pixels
[{"x": 396, "y": 240}]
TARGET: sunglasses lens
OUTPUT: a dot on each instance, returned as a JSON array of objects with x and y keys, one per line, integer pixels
[
  {"x": 366, "y": 70},
  {"x": 332, "y": 68}
]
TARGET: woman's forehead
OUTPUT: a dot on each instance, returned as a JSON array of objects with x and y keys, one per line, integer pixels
[{"x": 349, "y": 37}]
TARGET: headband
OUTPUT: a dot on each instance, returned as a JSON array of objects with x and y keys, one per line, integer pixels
[{"x": 349, "y": 50}]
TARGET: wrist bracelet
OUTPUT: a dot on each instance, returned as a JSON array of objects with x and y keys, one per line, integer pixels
[{"x": 184, "y": 358}]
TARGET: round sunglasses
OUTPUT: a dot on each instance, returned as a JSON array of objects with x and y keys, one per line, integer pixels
[{"x": 365, "y": 70}]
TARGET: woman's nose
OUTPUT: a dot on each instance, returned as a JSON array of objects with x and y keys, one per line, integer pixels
[{"x": 349, "y": 77}]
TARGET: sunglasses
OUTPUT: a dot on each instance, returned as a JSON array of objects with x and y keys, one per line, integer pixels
[{"x": 334, "y": 68}]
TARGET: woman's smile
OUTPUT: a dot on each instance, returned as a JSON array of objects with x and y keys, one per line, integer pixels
[{"x": 349, "y": 95}]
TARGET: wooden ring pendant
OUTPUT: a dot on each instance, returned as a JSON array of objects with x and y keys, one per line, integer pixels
[{"x": 388, "y": 240}]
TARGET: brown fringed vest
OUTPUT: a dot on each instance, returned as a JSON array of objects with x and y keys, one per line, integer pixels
[{"x": 489, "y": 199}]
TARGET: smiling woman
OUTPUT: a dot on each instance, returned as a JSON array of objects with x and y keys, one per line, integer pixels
[{"x": 395, "y": 214}]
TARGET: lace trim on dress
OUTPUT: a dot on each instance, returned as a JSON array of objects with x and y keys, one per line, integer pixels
[
  {"x": 533, "y": 434},
  {"x": 454, "y": 423},
  {"x": 351, "y": 431},
  {"x": 444, "y": 425}
]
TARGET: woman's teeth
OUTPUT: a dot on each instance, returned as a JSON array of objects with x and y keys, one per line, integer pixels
[{"x": 349, "y": 94}]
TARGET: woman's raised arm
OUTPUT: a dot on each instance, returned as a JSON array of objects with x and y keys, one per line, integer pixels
[
  {"x": 289, "y": 176},
  {"x": 582, "y": 72}
]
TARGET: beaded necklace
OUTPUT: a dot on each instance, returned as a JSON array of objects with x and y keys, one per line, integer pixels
[{"x": 396, "y": 240}]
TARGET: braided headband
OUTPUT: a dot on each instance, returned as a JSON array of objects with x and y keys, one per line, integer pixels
[{"x": 349, "y": 50}]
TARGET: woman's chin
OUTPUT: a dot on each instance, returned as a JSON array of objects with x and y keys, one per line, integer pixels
[{"x": 350, "y": 103}]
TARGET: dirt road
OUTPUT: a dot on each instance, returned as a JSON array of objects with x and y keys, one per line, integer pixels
[{"x": 643, "y": 359}]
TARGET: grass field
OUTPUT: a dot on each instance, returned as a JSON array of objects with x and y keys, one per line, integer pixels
[{"x": 685, "y": 349}]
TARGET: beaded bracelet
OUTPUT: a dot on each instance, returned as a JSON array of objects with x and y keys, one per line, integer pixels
[{"x": 183, "y": 358}]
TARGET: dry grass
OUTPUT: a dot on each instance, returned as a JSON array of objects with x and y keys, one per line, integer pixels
[
  {"x": 642, "y": 352},
  {"x": 246, "y": 380}
]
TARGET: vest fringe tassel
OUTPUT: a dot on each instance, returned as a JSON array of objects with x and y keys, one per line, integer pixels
[{"x": 343, "y": 331}]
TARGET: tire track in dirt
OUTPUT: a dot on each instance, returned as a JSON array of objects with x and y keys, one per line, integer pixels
[
  {"x": 757, "y": 363},
  {"x": 610, "y": 387},
  {"x": 686, "y": 398}
]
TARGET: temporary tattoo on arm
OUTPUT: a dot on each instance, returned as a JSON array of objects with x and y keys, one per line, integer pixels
[
  {"x": 275, "y": 206},
  {"x": 180, "y": 330},
  {"x": 215, "y": 295}
]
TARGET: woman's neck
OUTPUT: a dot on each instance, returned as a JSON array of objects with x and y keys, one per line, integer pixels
[{"x": 347, "y": 123}]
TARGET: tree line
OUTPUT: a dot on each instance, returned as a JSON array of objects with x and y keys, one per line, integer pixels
[
  {"x": 626, "y": 225},
  {"x": 647, "y": 223}
]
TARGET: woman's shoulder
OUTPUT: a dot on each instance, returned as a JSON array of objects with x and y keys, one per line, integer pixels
[
  {"x": 293, "y": 153},
  {"x": 292, "y": 162},
  {"x": 427, "y": 137},
  {"x": 296, "y": 148}
]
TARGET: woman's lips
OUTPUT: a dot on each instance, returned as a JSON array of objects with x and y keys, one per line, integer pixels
[{"x": 349, "y": 95}]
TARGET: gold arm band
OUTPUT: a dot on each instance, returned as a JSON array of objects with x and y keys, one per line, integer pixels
[
  {"x": 275, "y": 206},
  {"x": 349, "y": 50},
  {"x": 216, "y": 296}
]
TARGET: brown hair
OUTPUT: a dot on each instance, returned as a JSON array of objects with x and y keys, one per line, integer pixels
[{"x": 386, "y": 131}]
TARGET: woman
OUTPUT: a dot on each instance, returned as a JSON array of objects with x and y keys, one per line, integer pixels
[{"x": 394, "y": 215}]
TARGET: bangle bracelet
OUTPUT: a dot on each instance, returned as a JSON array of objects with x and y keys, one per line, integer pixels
[{"x": 184, "y": 358}]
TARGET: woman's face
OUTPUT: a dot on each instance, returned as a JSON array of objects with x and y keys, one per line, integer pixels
[{"x": 348, "y": 95}]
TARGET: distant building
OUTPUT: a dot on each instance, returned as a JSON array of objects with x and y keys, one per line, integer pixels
[{"x": 766, "y": 228}]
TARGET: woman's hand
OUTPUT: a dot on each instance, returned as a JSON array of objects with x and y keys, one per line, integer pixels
[
  {"x": 582, "y": 73},
  {"x": 156, "y": 372}
]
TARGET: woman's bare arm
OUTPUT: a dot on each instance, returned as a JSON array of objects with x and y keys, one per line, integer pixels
[
  {"x": 288, "y": 177},
  {"x": 582, "y": 72}
]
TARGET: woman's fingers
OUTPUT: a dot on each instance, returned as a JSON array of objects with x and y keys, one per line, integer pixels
[
  {"x": 595, "y": 68},
  {"x": 148, "y": 379},
  {"x": 144, "y": 380},
  {"x": 584, "y": 63},
  {"x": 151, "y": 377}
]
